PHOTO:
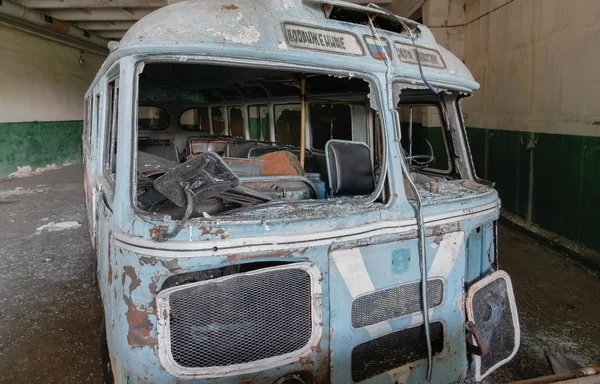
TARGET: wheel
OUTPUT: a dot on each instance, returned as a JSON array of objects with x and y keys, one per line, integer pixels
[{"x": 105, "y": 355}]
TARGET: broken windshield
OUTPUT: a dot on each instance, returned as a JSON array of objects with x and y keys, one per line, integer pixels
[{"x": 250, "y": 138}]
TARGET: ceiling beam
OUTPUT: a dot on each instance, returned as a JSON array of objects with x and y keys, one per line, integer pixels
[
  {"x": 118, "y": 35},
  {"x": 97, "y": 14},
  {"x": 56, "y": 30},
  {"x": 105, "y": 25},
  {"x": 65, "y": 4}
]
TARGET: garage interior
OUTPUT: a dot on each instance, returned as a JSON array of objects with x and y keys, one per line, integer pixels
[{"x": 534, "y": 130}]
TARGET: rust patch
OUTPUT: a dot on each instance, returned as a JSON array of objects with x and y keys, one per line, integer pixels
[
  {"x": 231, "y": 7},
  {"x": 205, "y": 230},
  {"x": 155, "y": 233},
  {"x": 153, "y": 285},
  {"x": 317, "y": 348},
  {"x": 147, "y": 260},
  {"x": 277, "y": 253},
  {"x": 306, "y": 361},
  {"x": 339, "y": 246},
  {"x": 209, "y": 231},
  {"x": 110, "y": 271},
  {"x": 171, "y": 265},
  {"x": 128, "y": 270},
  {"x": 442, "y": 229},
  {"x": 140, "y": 327}
]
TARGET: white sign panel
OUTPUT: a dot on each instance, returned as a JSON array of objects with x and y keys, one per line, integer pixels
[
  {"x": 301, "y": 36},
  {"x": 429, "y": 57}
]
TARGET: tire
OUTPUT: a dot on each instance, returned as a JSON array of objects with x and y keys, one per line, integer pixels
[{"x": 105, "y": 355}]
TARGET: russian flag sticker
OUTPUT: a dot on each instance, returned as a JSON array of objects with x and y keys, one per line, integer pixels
[{"x": 378, "y": 50}]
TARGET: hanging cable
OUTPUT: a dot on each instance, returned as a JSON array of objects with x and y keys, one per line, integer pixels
[{"x": 418, "y": 200}]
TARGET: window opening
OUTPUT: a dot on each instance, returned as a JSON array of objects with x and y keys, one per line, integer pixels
[
  {"x": 87, "y": 119},
  {"x": 152, "y": 118},
  {"x": 258, "y": 121},
  {"x": 423, "y": 138},
  {"x": 218, "y": 120},
  {"x": 195, "y": 120},
  {"x": 236, "y": 121},
  {"x": 287, "y": 124},
  {"x": 329, "y": 121},
  {"x": 239, "y": 169},
  {"x": 110, "y": 160}
]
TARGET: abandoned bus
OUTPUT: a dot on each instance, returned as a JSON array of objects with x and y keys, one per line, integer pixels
[{"x": 281, "y": 191}]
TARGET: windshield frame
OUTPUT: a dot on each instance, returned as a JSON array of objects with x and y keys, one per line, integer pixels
[{"x": 374, "y": 97}]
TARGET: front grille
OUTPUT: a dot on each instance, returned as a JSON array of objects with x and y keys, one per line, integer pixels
[
  {"x": 394, "y": 302},
  {"x": 394, "y": 350},
  {"x": 240, "y": 318}
]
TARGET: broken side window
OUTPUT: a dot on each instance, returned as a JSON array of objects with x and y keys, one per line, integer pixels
[
  {"x": 112, "y": 117},
  {"x": 236, "y": 121},
  {"x": 218, "y": 120},
  {"x": 423, "y": 139},
  {"x": 329, "y": 121},
  {"x": 287, "y": 124}
]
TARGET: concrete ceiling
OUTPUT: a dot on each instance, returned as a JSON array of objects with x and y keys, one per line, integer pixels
[
  {"x": 94, "y": 22},
  {"x": 107, "y": 18}
]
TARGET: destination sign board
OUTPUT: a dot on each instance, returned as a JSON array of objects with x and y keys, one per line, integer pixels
[
  {"x": 429, "y": 57},
  {"x": 321, "y": 39}
]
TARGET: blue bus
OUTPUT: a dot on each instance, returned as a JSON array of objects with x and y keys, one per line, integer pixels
[{"x": 282, "y": 191}]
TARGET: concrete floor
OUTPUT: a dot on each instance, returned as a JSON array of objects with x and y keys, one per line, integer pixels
[{"x": 50, "y": 310}]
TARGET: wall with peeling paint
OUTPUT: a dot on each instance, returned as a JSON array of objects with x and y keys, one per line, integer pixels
[
  {"x": 534, "y": 125},
  {"x": 41, "y": 103}
]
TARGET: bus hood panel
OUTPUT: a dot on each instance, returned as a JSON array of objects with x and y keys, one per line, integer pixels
[{"x": 376, "y": 319}]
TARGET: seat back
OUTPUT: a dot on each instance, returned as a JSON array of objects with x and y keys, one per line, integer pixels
[
  {"x": 349, "y": 167},
  {"x": 159, "y": 148}
]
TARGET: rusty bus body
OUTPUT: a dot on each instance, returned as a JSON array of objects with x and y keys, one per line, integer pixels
[{"x": 271, "y": 188}]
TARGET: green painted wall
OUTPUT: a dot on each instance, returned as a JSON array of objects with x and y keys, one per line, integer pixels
[
  {"x": 562, "y": 173},
  {"x": 38, "y": 144}
]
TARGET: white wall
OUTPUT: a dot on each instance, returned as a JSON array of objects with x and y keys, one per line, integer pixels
[
  {"x": 41, "y": 79},
  {"x": 538, "y": 65}
]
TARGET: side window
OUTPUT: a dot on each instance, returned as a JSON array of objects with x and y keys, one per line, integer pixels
[
  {"x": 218, "y": 120},
  {"x": 423, "y": 133},
  {"x": 287, "y": 124},
  {"x": 329, "y": 121},
  {"x": 87, "y": 119},
  {"x": 110, "y": 149},
  {"x": 258, "y": 121},
  {"x": 236, "y": 121},
  {"x": 195, "y": 120},
  {"x": 95, "y": 128},
  {"x": 152, "y": 118}
]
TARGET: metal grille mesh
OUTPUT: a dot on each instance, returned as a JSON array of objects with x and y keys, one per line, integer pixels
[
  {"x": 493, "y": 315},
  {"x": 394, "y": 302},
  {"x": 241, "y": 319},
  {"x": 394, "y": 350}
]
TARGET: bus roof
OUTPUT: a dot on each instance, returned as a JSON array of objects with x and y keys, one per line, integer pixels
[{"x": 320, "y": 33}]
